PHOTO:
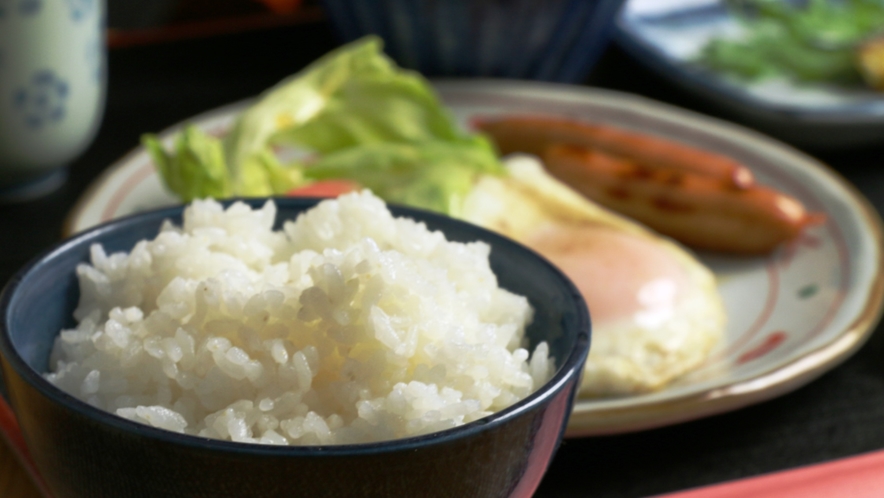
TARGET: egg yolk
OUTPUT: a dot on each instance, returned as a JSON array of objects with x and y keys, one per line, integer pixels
[{"x": 622, "y": 276}]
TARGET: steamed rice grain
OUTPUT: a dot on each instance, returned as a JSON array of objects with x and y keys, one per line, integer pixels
[{"x": 346, "y": 326}]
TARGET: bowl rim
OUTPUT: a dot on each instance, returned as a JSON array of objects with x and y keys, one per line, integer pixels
[{"x": 570, "y": 369}]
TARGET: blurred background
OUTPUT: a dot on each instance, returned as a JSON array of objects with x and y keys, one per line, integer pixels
[
  {"x": 554, "y": 40},
  {"x": 134, "y": 22},
  {"x": 169, "y": 60}
]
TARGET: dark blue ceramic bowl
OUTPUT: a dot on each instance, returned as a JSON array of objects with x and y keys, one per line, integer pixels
[
  {"x": 85, "y": 452},
  {"x": 550, "y": 40}
]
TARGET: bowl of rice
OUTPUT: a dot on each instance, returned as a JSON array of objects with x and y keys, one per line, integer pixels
[{"x": 291, "y": 347}]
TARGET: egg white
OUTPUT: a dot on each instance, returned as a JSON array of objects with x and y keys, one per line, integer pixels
[{"x": 629, "y": 355}]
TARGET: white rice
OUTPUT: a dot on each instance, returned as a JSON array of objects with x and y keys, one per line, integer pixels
[{"x": 347, "y": 326}]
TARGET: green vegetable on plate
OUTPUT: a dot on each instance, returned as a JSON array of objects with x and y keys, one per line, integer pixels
[
  {"x": 812, "y": 41},
  {"x": 351, "y": 114}
]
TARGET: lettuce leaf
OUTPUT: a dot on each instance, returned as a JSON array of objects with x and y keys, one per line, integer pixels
[
  {"x": 194, "y": 168},
  {"x": 433, "y": 175},
  {"x": 354, "y": 115}
]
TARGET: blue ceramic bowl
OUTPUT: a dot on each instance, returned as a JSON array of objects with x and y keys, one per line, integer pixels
[
  {"x": 550, "y": 40},
  {"x": 85, "y": 452}
]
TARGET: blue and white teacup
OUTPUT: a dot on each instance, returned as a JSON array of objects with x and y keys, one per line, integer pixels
[{"x": 52, "y": 86}]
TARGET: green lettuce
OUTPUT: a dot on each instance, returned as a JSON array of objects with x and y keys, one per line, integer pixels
[
  {"x": 812, "y": 41},
  {"x": 194, "y": 168},
  {"x": 431, "y": 175},
  {"x": 352, "y": 114}
]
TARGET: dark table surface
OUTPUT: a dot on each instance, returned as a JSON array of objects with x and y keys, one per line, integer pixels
[{"x": 838, "y": 415}]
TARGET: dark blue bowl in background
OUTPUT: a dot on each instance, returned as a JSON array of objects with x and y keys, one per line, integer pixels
[
  {"x": 549, "y": 40},
  {"x": 85, "y": 452}
]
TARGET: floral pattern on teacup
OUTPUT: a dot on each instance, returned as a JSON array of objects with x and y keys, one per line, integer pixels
[
  {"x": 81, "y": 8},
  {"x": 23, "y": 7},
  {"x": 43, "y": 101},
  {"x": 30, "y": 7}
]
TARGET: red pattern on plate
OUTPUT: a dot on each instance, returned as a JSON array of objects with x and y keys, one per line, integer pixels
[
  {"x": 143, "y": 173},
  {"x": 770, "y": 343}
]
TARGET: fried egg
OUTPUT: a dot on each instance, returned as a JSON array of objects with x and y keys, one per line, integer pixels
[{"x": 655, "y": 309}]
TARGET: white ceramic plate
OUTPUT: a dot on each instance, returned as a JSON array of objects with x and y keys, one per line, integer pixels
[
  {"x": 792, "y": 315},
  {"x": 666, "y": 35}
]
